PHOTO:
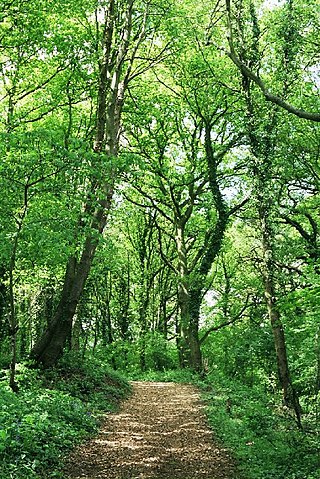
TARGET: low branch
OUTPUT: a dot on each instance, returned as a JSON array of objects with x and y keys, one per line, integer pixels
[{"x": 226, "y": 323}]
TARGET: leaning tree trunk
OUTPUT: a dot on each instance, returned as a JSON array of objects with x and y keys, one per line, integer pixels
[
  {"x": 49, "y": 347},
  {"x": 51, "y": 344}
]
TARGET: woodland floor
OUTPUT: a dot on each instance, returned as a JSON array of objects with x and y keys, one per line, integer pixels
[{"x": 160, "y": 432}]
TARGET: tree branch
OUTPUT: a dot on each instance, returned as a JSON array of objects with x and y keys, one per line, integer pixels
[
  {"x": 163, "y": 256},
  {"x": 226, "y": 323},
  {"x": 298, "y": 227},
  {"x": 311, "y": 116}
]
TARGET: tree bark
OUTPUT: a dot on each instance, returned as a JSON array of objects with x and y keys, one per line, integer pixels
[{"x": 189, "y": 344}]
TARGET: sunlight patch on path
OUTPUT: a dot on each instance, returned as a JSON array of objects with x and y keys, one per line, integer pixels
[{"x": 160, "y": 433}]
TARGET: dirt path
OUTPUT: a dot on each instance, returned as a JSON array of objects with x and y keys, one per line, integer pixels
[{"x": 160, "y": 433}]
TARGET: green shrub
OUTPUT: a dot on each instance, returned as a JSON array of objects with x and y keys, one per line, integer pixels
[
  {"x": 90, "y": 380},
  {"x": 36, "y": 427},
  {"x": 159, "y": 354},
  {"x": 170, "y": 375}
]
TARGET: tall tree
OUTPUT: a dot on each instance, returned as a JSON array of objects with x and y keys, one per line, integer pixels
[
  {"x": 262, "y": 138},
  {"x": 124, "y": 26}
]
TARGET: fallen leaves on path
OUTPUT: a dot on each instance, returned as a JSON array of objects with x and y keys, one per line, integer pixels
[{"x": 161, "y": 432}]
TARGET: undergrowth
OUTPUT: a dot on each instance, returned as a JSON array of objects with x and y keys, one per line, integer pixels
[
  {"x": 170, "y": 375},
  {"x": 261, "y": 433},
  {"x": 91, "y": 380},
  {"x": 53, "y": 411}
]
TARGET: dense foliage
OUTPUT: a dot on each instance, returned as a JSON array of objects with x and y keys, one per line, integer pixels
[{"x": 159, "y": 182}]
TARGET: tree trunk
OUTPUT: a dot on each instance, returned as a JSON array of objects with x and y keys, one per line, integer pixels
[
  {"x": 184, "y": 341},
  {"x": 162, "y": 323},
  {"x": 143, "y": 330},
  {"x": 190, "y": 295},
  {"x": 13, "y": 321},
  {"x": 111, "y": 90},
  {"x": 195, "y": 355},
  {"x": 261, "y": 135},
  {"x": 50, "y": 346},
  {"x": 290, "y": 397},
  {"x": 76, "y": 333},
  {"x": 189, "y": 344},
  {"x": 183, "y": 297},
  {"x": 4, "y": 325}
]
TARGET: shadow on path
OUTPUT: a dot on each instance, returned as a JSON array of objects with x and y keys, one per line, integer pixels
[{"x": 160, "y": 433}]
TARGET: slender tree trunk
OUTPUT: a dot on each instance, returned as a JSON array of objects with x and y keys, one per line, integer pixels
[
  {"x": 183, "y": 297},
  {"x": 76, "y": 332},
  {"x": 106, "y": 326},
  {"x": 261, "y": 134},
  {"x": 13, "y": 330},
  {"x": 162, "y": 325},
  {"x": 105, "y": 311},
  {"x": 4, "y": 326},
  {"x": 290, "y": 397},
  {"x": 143, "y": 328},
  {"x": 143, "y": 321},
  {"x": 13, "y": 321}
]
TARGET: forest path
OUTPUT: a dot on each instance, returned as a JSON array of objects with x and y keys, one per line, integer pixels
[{"x": 160, "y": 432}]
